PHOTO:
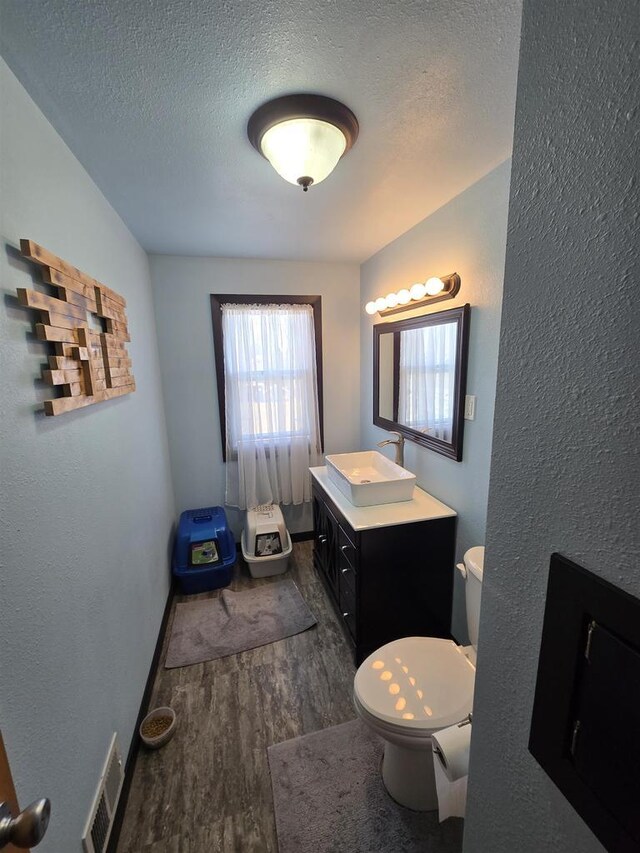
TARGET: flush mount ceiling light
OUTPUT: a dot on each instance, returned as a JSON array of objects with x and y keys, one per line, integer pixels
[{"x": 303, "y": 136}]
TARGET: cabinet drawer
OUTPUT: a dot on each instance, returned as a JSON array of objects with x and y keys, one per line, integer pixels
[
  {"x": 347, "y": 548},
  {"x": 347, "y": 579},
  {"x": 348, "y": 606}
]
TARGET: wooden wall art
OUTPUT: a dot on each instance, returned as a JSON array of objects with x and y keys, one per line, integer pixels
[{"x": 89, "y": 364}]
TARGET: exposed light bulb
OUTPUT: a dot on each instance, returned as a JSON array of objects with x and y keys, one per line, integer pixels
[
  {"x": 434, "y": 286},
  {"x": 381, "y": 303},
  {"x": 370, "y": 308},
  {"x": 391, "y": 300},
  {"x": 418, "y": 291},
  {"x": 404, "y": 297}
]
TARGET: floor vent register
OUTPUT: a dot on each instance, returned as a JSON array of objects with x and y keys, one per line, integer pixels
[{"x": 103, "y": 809}]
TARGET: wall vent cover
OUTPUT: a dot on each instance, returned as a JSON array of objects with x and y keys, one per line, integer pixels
[
  {"x": 585, "y": 726},
  {"x": 103, "y": 808}
]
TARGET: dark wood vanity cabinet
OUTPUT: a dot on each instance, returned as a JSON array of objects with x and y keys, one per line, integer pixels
[{"x": 385, "y": 582}]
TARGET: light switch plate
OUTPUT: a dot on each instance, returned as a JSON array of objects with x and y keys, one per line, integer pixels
[{"x": 469, "y": 407}]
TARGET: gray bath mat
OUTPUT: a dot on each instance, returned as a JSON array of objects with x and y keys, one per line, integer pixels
[
  {"x": 235, "y": 622},
  {"x": 329, "y": 798}
]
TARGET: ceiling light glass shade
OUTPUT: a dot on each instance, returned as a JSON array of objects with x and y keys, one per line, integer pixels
[
  {"x": 434, "y": 286},
  {"x": 303, "y": 135},
  {"x": 303, "y": 148},
  {"x": 370, "y": 308}
]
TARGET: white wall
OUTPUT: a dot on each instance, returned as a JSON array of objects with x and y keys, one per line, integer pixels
[
  {"x": 565, "y": 467},
  {"x": 87, "y": 503},
  {"x": 466, "y": 236},
  {"x": 182, "y": 287}
]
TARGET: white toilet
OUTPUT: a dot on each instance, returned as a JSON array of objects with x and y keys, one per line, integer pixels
[{"x": 415, "y": 686}]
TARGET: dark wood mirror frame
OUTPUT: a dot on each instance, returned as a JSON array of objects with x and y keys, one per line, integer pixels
[
  {"x": 452, "y": 449},
  {"x": 217, "y": 300}
]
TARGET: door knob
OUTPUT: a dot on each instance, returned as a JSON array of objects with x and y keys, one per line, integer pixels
[{"x": 28, "y": 828}]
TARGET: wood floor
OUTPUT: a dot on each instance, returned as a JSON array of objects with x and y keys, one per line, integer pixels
[{"x": 208, "y": 790}]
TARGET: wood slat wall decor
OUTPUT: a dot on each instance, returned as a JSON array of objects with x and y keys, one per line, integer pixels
[{"x": 86, "y": 365}]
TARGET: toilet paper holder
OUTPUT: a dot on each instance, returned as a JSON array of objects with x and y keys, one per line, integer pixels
[{"x": 436, "y": 749}]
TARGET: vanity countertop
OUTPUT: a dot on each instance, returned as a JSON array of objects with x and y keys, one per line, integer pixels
[{"x": 423, "y": 507}]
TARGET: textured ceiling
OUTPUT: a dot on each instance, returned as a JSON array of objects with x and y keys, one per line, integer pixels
[{"x": 153, "y": 97}]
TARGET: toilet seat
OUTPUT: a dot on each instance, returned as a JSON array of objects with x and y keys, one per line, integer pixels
[{"x": 416, "y": 685}]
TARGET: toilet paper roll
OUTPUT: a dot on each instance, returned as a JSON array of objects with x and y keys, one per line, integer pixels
[
  {"x": 451, "y": 748},
  {"x": 450, "y": 765},
  {"x": 452, "y": 796}
]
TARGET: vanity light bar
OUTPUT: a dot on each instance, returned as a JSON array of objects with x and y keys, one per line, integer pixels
[{"x": 419, "y": 294}]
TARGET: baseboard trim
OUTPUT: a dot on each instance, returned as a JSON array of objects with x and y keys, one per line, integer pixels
[
  {"x": 303, "y": 536},
  {"x": 135, "y": 740}
]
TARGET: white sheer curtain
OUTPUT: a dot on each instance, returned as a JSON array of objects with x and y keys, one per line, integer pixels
[
  {"x": 427, "y": 368},
  {"x": 271, "y": 403}
]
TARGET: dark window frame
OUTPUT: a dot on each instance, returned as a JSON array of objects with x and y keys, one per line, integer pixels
[{"x": 220, "y": 299}]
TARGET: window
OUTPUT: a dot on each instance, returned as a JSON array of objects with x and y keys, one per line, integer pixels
[{"x": 269, "y": 370}]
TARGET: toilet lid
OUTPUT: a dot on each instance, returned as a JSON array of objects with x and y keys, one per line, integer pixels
[{"x": 417, "y": 682}]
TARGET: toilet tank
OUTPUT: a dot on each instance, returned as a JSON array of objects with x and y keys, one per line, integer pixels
[{"x": 474, "y": 566}]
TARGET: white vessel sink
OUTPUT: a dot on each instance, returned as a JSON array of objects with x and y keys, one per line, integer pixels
[{"x": 368, "y": 478}]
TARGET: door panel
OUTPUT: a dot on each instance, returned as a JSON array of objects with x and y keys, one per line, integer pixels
[{"x": 7, "y": 791}]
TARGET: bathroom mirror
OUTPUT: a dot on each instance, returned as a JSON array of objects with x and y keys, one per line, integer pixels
[{"x": 419, "y": 378}]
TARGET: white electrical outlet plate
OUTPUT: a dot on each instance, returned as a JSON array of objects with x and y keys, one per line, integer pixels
[{"x": 469, "y": 407}]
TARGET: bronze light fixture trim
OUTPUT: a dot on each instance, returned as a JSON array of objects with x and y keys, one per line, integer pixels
[
  {"x": 418, "y": 295},
  {"x": 303, "y": 136}
]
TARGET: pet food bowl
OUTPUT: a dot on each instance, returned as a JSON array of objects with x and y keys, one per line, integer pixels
[{"x": 155, "y": 741}]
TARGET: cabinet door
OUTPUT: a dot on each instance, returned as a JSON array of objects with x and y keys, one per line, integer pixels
[
  {"x": 325, "y": 552},
  {"x": 319, "y": 534},
  {"x": 331, "y": 567}
]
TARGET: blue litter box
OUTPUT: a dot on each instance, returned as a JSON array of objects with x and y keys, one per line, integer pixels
[{"x": 205, "y": 550}]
